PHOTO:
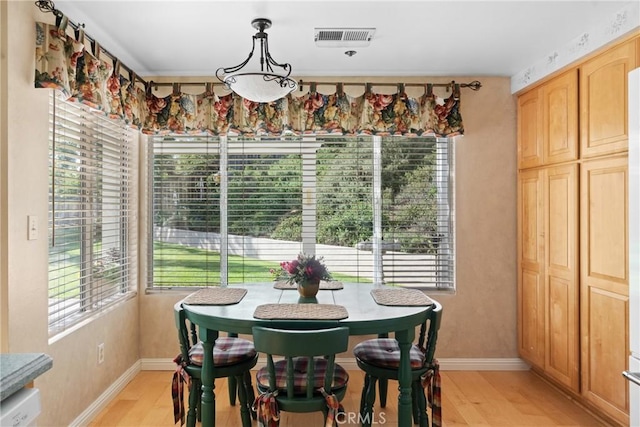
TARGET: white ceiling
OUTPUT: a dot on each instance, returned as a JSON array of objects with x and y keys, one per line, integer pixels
[{"x": 412, "y": 38}]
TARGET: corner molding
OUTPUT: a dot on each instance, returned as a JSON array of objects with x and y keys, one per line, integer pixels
[
  {"x": 89, "y": 414},
  {"x": 612, "y": 28}
]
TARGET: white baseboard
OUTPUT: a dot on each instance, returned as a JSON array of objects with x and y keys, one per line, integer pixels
[
  {"x": 105, "y": 398},
  {"x": 148, "y": 364},
  {"x": 349, "y": 363},
  {"x": 489, "y": 364}
]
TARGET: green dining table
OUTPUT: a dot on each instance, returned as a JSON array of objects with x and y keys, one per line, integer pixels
[{"x": 365, "y": 317}]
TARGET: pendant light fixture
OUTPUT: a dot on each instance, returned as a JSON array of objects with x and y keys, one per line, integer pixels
[{"x": 263, "y": 85}]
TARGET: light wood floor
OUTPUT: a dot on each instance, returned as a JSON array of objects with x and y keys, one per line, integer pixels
[{"x": 469, "y": 398}]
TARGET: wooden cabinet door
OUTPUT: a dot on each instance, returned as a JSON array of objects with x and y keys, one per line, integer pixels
[
  {"x": 603, "y": 101},
  {"x": 548, "y": 122},
  {"x": 562, "y": 345},
  {"x": 560, "y": 118},
  {"x": 531, "y": 295},
  {"x": 604, "y": 284},
  {"x": 530, "y": 130}
]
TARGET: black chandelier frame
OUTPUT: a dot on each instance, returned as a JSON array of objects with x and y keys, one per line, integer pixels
[{"x": 227, "y": 74}]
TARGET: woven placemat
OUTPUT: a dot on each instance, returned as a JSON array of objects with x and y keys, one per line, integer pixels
[
  {"x": 324, "y": 285},
  {"x": 400, "y": 297},
  {"x": 216, "y": 296},
  {"x": 301, "y": 311}
]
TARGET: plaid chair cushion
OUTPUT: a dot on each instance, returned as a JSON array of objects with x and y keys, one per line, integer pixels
[
  {"x": 385, "y": 353},
  {"x": 227, "y": 351},
  {"x": 340, "y": 375}
]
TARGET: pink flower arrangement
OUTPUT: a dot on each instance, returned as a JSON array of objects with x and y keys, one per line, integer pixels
[{"x": 303, "y": 270}]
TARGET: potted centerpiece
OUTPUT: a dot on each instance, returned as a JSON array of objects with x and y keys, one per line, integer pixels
[{"x": 306, "y": 271}]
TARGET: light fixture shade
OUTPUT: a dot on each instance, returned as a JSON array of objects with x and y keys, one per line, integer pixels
[{"x": 259, "y": 86}]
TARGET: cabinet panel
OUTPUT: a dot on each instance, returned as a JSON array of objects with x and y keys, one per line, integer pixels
[
  {"x": 603, "y": 213},
  {"x": 603, "y": 101},
  {"x": 531, "y": 267},
  {"x": 532, "y": 218},
  {"x": 561, "y": 217},
  {"x": 531, "y": 313},
  {"x": 562, "y": 345},
  {"x": 529, "y": 130},
  {"x": 561, "y": 358},
  {"x": 560, "y": 123},
  {"x": 605, "y": 351}
]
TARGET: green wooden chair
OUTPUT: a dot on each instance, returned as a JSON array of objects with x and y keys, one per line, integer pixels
[
  {"x": 308, "y": 369},
  {"x": 379, "y": 358},
  {"x": 233, "y": 358}
]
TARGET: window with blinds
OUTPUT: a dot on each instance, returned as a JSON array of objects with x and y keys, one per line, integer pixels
[
  {"x": 92, "y": 221},
  {"x": 212, "y": 228},
  {"x": 227, "y": 210},
  {"x": 417, "y": 214},
  {"x": 185, "y": 207},
  {"x": 385, "y": 209}
]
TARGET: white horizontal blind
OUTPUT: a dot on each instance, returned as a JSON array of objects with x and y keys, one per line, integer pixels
[
  {"x": 414, "y": 244},
  {"x": 266, "y": 200},
  {"x": 185, "y": 207},
  {"x": 214, "y": 226},
  {"x": 344, "y": 194},
  {"x": 264, "y": 206},
  {"x": 417, "y": 212},
  {"x": 92, "y": 226}
]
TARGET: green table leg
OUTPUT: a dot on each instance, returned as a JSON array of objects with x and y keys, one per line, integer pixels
[
  {"x": 208, "y": 385},
  {"x": 405, "y": 339}
]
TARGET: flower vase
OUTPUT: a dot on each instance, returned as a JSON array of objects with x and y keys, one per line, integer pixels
[{"x": 309, "y": 290}]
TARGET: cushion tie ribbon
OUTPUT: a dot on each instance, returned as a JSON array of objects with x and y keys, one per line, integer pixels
[
  {"x": 334, "y": 407},
  {"x": 431, "y": 381},
  {"x": 180, "y": 376},
  {"x": 266, "y": 408}
]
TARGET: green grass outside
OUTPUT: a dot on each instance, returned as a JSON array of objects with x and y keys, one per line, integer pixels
[
  {"x": 64, "y": 270},
  {"x": 196, "y": 267},
  {"x": 177, "y": 266}
]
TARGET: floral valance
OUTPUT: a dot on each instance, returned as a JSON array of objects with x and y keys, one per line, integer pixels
[{"x": 63, "y": 63}]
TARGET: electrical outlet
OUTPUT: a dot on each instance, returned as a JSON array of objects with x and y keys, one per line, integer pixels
[
  {"x": 32, "y": 227},
  {"x": 100, "y": 353}
]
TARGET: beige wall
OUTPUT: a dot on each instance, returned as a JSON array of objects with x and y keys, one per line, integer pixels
[
  {"x": 479, "y": 321},
  {"x": 76, "y": 380}
]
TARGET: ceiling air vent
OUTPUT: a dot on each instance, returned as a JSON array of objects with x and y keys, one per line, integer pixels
[{"x": 343, "y": 37}]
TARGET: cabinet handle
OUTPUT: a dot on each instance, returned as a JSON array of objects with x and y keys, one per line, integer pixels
[{"x": 634, "y": 377}]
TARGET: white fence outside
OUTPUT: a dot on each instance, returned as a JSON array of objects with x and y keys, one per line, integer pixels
[{"x": 339, "y": 259}]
